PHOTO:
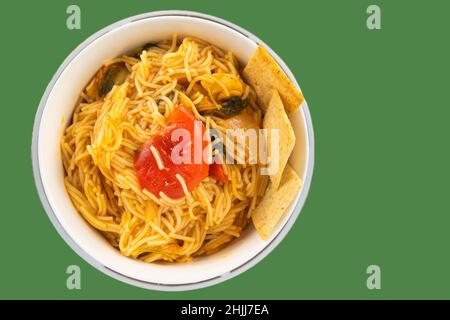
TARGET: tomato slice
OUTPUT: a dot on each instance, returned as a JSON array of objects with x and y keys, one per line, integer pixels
[
  {"x": 156, "y": 179},
  {"x": 216, "y": 171}
]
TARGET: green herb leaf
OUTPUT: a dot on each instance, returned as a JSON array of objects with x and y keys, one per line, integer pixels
[
  {"x": 116, "y": 74},
  {"x": 233, "y": 106}
]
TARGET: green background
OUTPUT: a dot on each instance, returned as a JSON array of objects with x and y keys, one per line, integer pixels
[{"x": 379, "y": 104}]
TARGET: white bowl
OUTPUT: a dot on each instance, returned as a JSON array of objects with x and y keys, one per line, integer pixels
[{"x": 55, "y": 111}]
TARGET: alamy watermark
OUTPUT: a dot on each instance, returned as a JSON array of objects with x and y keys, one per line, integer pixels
[
  {"x": 374, "y": 279},
  {"x": 73, "y": 21},
  {"x": 234, "y": 146},
  {"x": 374, "y": 20},
  {"x": 73, "y": 281}
]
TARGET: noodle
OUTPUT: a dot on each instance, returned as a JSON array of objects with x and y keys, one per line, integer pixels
[{"x": 100, "y": 144}]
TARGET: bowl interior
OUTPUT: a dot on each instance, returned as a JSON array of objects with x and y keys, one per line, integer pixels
[{"x": 57, "y": 114}]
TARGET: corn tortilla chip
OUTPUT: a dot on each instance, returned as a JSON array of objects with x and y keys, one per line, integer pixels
[
  {"x": 276, "y": 118},
  {"x": 264, "y": 74},
  {"x": 275, "y": 202}
]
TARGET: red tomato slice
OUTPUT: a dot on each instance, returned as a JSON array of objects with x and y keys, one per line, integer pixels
[
  {"x": 157, "y": 180},
  {"x": 216, "y": 171},
  {"x": 181, "y": 114}
]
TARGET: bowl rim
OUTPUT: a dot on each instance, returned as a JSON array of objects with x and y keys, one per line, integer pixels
[{"x": 309, "y": 168}]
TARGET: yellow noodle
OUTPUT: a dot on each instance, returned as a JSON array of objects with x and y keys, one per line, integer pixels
[{"x": 99, "y": 146}]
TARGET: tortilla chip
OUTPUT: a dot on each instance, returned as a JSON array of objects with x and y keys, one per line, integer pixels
[
  {"x": 264, "y": 74},
  {"x": 275, "y": 202},
  {"x": 276, "y": 118}
]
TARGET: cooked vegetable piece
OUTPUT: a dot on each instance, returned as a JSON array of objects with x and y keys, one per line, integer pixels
[
  {"x": 241, "y": 121},
  {"x": 216, "y": 171},
  {"x": 223, "y": 86},
  {"x": 155, "y": 167},
  {"x": 115, "y": 74},
  {"x": 233, "y": 106}
]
